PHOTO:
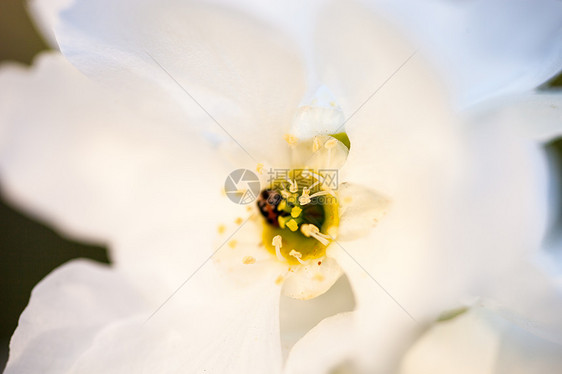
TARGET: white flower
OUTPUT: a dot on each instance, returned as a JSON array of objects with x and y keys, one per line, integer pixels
[{"x": 465, "y": 205}]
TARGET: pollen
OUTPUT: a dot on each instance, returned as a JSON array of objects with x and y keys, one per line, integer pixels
[
  {"x": 291, "y": 139},
  {"x": 331, "y": 143},
  {"x": 221, "y": 229},
  {"x": 316, "y": 144},
  {"x": 259, "y": 168},
  {"x": 318, "y": 277},
  {"x": 348, "y": 199},
  {"x": 238, "y": 220},
  {"x": 279, "y": 280},
  {"x": 232, "y": 244},
  {"x": 248, "y": 260}
]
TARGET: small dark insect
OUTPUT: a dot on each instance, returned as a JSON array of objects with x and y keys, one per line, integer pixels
[{"x": 267, "y": 203}]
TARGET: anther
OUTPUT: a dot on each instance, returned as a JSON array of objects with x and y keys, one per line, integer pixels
[
  {"x": 277, "y": 242},
  {"x": 296, "y": 211},
  {"x": 310, "y": 230},
  {"x": 297, "y": 255}
]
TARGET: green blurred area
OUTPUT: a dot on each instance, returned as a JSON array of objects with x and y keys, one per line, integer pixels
[{"x": 28, "y": 250}]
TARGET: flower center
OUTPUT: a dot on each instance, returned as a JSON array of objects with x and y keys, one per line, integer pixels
[{"x": 301, "y": 216}]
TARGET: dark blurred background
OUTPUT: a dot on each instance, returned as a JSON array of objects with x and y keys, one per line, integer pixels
[{"x": 28, "y": 249}]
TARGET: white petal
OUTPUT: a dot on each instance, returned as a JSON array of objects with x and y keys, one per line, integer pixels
[
  {"x": 452, "y": 187},
  {"x": 530, "y": 298},
  {"x": 361, "y": 209},
  {"x": 93, "y": 164},
  {"x": 468, "y": 344},
  {"x": 46, "y": 16},
  {"x": 298, "y": 317},
  {"x": 536, "y": 115},
  {"x": 318, "y": 115},
  {"x": 67, "y": 309},
  {"x": 206, "y": 49},
  {"x": 205, "y": 327},
  {"x": 397, "y": 117},
  {"x": 485, "y": 47},
  {"x": 481, "y": 342},
  {"x": 313, "y": 279},
  {"x": 325, "y": 347}
]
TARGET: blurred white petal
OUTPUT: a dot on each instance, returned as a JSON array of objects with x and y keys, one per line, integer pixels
[
  {"x": 536, "y": 115},
  {"x": 66, "y": 312},
  {"x": 246, "y": 75},
  {"x": 480, "y": 342},
  {"x": 208, "y": 326},
  {"x": 485, "y": 47}
]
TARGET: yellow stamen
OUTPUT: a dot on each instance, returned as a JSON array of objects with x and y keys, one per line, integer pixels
[
  {"x": 294, "y": 187},
  {"x": 310, "y": 230},
  {"x": 305, "y": 197},
  {"x": 282, "y": 220},
  {"x": 296, "y": 211},
  {"x": 297, "y": 255},
  {"x": 277, "y": 242},
  {"x": 282, "y": 205},
  {"x": 292, "y": 225}
]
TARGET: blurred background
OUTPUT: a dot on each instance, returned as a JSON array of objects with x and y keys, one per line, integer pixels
[{"x": 28, "y": 249}]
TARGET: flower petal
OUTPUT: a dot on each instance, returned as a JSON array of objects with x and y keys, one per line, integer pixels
[
  {"x": 485, "y": 47},
  {"x": 529, "y": 297},
  {"x": 207, "y": 326},
  {"x": 88, "y": 161},
  {"x": 535, "y": 115},
  {"x": 65, "y": 312},
  {"x": 360, "y": 210},
  {"x": 140, "y": 46},
  {"x": 321, "y": 349},
  {"x": 313, "y": 279},
  {"x": 481, "y": 342}
]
